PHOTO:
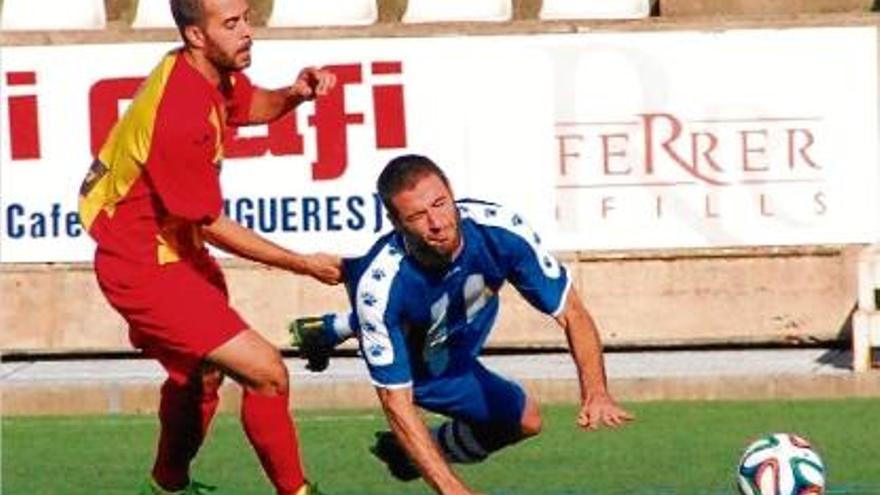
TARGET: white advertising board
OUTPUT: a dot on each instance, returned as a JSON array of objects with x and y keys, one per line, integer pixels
[
  {"x": 705, "y": 139},
  {"x": 604, "y": 140},
  {"x": 308, "y": 182}
]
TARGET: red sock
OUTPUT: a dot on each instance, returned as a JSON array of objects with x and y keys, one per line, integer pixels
[
  {"x": 270, "y": 429},
  {"x": 185, "y": 412}
]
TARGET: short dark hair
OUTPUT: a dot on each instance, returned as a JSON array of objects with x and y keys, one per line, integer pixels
[
  {"x": 402, "y": 173},
  {"x": 187, "y": 13}
]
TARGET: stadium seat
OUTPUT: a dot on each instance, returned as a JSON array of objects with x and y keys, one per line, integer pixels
[
  {"x": 305, "y": 13},
  {"x": 152, "y": 14},
  {"x": 36, "y": 15},
  {"x": 866, "y": 320},
  {"x": 457, "y": 10},
  {"x": 594, "y": 9}
]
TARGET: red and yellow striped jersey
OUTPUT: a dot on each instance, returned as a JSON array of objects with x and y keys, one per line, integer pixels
[{"x": 156, "y": 179}]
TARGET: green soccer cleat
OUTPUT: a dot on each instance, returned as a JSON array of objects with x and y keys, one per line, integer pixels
[
  {"x": 387, "y": 450},
  {"x": 150, "y": 487},
  {"x": 307, "y": 335},
  {"x": 309, "y": 489}
]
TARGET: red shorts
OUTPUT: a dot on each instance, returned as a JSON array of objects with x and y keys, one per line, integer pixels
[{"x": 177, "y": 313}]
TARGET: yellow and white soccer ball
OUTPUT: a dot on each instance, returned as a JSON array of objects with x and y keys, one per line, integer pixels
[{"x": 781, "y": 464}]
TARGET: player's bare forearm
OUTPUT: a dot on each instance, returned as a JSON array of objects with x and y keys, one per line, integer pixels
[
  {"x": 584, "y": 344},
  {"x": 597, "y": 405},
  {"x": 268, "y": 105},
  {"x": 236, "y": 239},
  {"x": 412, "y": 434}
]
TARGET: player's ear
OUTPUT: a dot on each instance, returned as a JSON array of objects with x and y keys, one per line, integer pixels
[{"x": 194, "y": 35}]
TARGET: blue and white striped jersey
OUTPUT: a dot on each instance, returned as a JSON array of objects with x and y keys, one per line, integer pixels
[{"x": 416, "y": 325}]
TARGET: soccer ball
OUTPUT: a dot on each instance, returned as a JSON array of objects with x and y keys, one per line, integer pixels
[{"x": 781, "y": 464}]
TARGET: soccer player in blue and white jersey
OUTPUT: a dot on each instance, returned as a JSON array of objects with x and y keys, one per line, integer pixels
[{"x": 425, "y": 298}]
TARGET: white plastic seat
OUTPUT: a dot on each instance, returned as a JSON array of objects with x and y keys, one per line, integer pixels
[
  {"x": 305, "y": 13},
  {"x": 153, "y": 14},
  {"x": 457, "y": 10},
  {"x": 595, "y": 9},
  {"x": 37, "y": 15}
]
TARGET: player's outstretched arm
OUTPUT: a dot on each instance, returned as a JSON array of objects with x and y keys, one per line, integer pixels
[
  {"x": 597, "y": 405},
  {"x": 241, "y": 241},
  {"x": 412, "y": 434},
  {"x": 268, "y": 105}
]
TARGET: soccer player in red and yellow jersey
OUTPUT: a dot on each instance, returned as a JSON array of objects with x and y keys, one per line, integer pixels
[{"x": 152, "y": 198}]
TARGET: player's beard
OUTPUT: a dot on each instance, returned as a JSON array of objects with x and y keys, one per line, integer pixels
[
  {"x": 427, "y": 255},
  {"x": 236, "y": 61}
]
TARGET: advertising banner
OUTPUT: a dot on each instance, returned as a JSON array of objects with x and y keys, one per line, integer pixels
[
  {"x": 307, "y": 181},
  {"x": 610, "y": 141},
  {"x": 706, "y": 139}
]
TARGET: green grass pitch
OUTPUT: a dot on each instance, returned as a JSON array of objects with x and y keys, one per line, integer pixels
[{"x": 674, "y": 448}]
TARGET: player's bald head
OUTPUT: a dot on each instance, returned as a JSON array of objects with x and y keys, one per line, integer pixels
[{"x": 402, "y": 173}]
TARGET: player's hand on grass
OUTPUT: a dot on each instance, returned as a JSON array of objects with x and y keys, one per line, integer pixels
[
  {"x": 600, "y": 409},
  {"x": 327, "y": 268},
  {"x": 312, "y": 82}
]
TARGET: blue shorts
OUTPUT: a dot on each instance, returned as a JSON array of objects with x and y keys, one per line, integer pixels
[{"x": 477, "y": 396}]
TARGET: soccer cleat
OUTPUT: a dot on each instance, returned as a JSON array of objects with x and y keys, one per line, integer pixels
[
  {"x": 307, "y": 334},
  {"x": 387, "y": 450},
  {"x": 150, "y": 487},
  {"x": 309, "y": 489}
]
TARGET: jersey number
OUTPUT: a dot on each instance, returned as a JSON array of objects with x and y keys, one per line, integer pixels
[{"x": 436, "y": 353}]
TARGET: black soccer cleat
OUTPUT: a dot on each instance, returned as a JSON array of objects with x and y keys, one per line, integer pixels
[
  {"x": 387, "y": 450},
  {"x": 307, "y": 335}
]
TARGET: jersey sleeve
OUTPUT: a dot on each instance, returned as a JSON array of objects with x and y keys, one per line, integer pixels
[
  {"x": 183, "y": 161},
  {"x": 380, "y": 316},
  {"x": 384, "y": 348},
  {"x": 239, "y": 106},
  {"x": 530, "y": 267}
]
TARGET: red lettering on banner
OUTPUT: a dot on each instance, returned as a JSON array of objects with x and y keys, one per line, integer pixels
[
  {"x": 283, "y": 138},
  {"x": 388, "y": 108},
  {"x": 802, "y": 149},
  {"x": 608, "y": 153},
  {"x": 649, "y": 123},
  {"x": 705, "y": 154},
  {"x": 749, "y": 148},
  {"x": 24, "y": 121},
  {"x": 766, "y": 163},
  {"x": 331, "y": 119},
  {"x": 564, "y": 153},
  {"x": 718, "y": 153},
  {"x": 104, "y": 98}
]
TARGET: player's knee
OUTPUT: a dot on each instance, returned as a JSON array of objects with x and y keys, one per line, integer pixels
[
  {"x": 531, "y": 422},
  {"x": 272, "y": 379},
  {"x": 212, "y": 379}
]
